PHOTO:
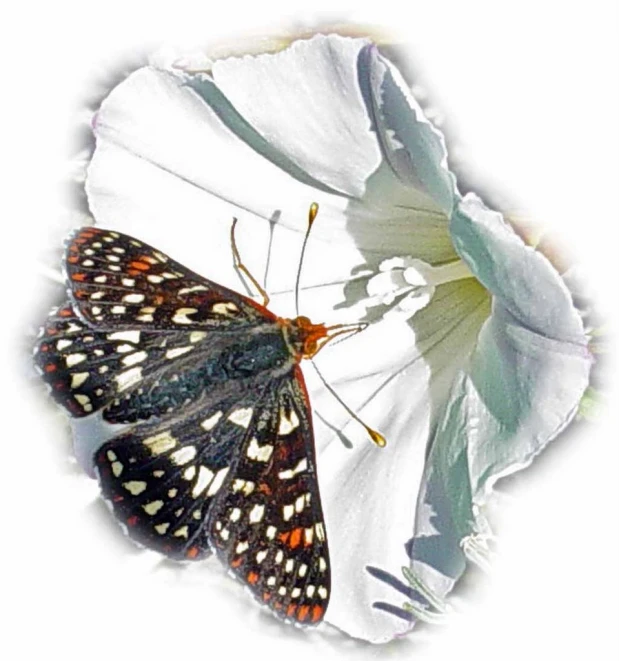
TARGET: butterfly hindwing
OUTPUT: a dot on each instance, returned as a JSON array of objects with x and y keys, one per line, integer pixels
[
  {"x": 117, "y": 282},
  {"x": 161, "y": 478},
  {"x": 267, "y": 522}
]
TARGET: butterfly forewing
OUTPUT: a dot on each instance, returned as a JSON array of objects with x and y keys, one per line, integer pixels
[
  {"x": 118, "y": 282},
  {"x": 88, "y": 369},
  {"x": 267, "y": 524}
]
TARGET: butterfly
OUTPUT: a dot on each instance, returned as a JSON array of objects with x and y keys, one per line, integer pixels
[{"x": 217, "y": 455}]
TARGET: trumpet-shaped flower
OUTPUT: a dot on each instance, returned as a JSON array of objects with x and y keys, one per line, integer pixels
[{"x": 475, "y": 356}]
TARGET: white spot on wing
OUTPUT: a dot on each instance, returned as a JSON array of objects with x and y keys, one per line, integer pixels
[
  {"x": 224, "y": 308},
  {"x": 256, "y": 514},
  {"x": 153, "y": 508},
  {"x": 129, "y": 378},
  {"x": 126, "y": 336},
  {"x": 241, "y": 417},
  {"x": 187, "y": 290},
  {"x": 133, "y": 298},
  {"x": 134, "y": 358},
  {"x": 257, "y": 452},
  {"x": 180, "y": 316},
  {"x": 209, "y": 423},
  {"x": 291, "y": 472},
  {"x": 204, "y": 479},
  {"x": 78, "y": 378},
  {"x": 135, "y": 487},
  {"x": 218, "y": 480},
  {"x": 184, "y": 455},
  {"x": 179, "y": 351},
  {"x": 287, "y": 424},
  {"x": 74, "y": 359},
  {"x": 160, "y": 443}
]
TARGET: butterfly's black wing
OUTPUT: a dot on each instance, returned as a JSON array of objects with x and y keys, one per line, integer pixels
[
  {"x": 119, "y": 283},
  {"x": 88, "y": 369},
  {"x": 160, "y": 478},
  {"x": 224, "y": 454},
  {"x": 135, "y": 326},
  {"x": 236, "y": 475},
  {"x": 267, "y": 521}
]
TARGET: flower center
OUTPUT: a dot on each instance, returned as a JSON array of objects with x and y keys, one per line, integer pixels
[{"x": 407, "y": 284}]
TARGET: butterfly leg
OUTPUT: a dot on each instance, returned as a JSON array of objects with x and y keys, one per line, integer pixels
[{"x": 239, "y": 266}]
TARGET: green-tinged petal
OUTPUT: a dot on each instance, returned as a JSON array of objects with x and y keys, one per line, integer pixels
[{"x": 523, "y": 385}]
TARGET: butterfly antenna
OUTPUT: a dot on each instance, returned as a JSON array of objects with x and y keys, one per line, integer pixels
[
  {"x": 376, "y": 437},
  {"x": 311, "y": 216}
]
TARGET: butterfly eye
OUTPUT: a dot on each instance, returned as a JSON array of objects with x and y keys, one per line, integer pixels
[{"x": 311, "y": 347}]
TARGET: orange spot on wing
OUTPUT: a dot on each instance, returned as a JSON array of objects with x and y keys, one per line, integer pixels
[
  {"x": 132, "y": 520},
  {"x": 317, "y": 612},
  {"x": 79, "y": 277},
  {"x": 252, "y": 578},
  {"x": 291, "y": 610},
  {"x": 140, "y": 266},
  {"x": 236, "y": 562},
  {"x": 295, "y": 538},
  {"x": 303, "y": 613},
  {"x": 117, "y": 498},
  {"x": 192, "y": 552},
  {"x": 265, "y": 488},
  {"x": 266, "y": 596},
  {"x": 50, "y": 368},
  {"x": 73, "y": 259},
  {"x": 65, "y": 313},
  {"x": 283, "y": 536}
]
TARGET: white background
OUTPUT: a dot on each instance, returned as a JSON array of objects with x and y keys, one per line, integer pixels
[{"x": 530, "y": 93}]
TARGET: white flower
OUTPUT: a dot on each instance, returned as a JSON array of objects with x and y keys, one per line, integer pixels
[{"x": 476, "y": 354}]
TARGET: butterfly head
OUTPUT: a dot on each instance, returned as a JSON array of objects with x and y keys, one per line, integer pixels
[{"x": 305, "y": 339}]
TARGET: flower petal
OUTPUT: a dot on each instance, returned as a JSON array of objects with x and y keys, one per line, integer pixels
[
  {"x": 414, "y": 149},
  {"x": 398, "y": 374},
  {"x": 520, "y": 277},
  {"x": 306, "y": 101},
  {"x": 525, "y": 380}
]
